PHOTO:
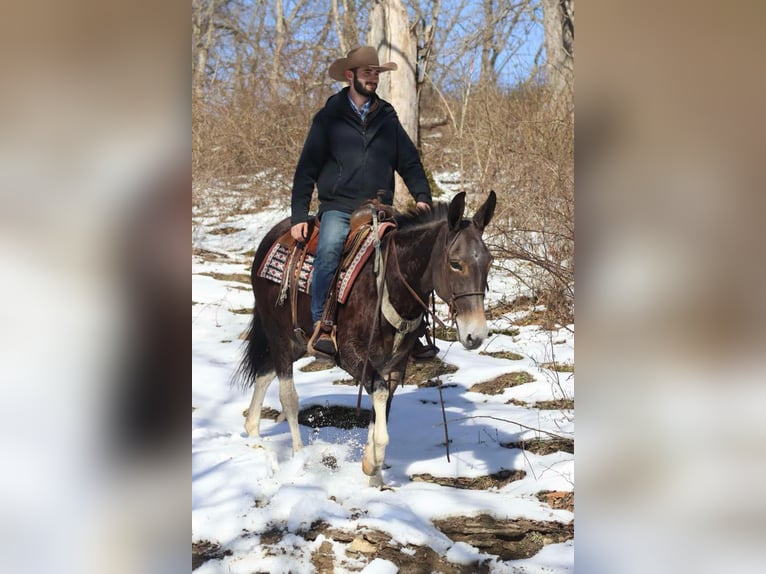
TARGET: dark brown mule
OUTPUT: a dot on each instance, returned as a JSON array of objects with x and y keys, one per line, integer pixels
[{"x": 439, "y": 251}]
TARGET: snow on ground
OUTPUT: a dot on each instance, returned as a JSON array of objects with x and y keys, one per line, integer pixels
[{"x": 243, "y": 488}]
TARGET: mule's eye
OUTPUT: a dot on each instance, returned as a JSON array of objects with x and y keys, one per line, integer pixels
[{"x": 456, "y": 265}]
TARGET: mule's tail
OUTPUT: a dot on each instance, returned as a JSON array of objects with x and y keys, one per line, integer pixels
[{"x": 256, "y": 353}]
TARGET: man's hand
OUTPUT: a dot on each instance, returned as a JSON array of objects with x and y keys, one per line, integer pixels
[
  {"x": 299, "y": 231},
  {"x": 422, "y": 206}
]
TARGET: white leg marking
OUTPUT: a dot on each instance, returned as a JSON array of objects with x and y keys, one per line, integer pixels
[
  {"x": 253, "y": 420},
  {"x": 288, "y": 396},
  {"x": 377, "y": 440}
]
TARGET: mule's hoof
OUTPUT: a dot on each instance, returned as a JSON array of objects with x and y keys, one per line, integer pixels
[{"x": 376, "y": 481}]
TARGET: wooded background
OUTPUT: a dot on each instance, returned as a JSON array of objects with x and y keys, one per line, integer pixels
[{"x": 484, "y": 88}]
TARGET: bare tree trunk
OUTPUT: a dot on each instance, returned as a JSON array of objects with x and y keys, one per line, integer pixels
[
  {"x": 390, "y": 32},
  {"x": 280, "y": 38},
  {"x": 203, "y": 27},
  {"x": 487, "y": 73},
  {"x": 345, "y": 24},
  {"x": 558, "y": 21}
]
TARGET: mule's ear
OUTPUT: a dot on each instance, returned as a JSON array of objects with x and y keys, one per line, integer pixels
[
  {"x": 456, "y": 209},
  {"x": 484, "y": 214}
]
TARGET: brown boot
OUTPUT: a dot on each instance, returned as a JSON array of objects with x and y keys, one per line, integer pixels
[
  {"x": 321, "y": 342},
  {"x": 421, "y": 352}
]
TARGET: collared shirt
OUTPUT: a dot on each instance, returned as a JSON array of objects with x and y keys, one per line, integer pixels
[{"x": 365, "y": 108}]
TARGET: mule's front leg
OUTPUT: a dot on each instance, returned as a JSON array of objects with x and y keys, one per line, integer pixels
[{"x": 377, "y": 437}]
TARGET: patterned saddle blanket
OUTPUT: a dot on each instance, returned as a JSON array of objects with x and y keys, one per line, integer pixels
[{"x": 283, "y": 254}]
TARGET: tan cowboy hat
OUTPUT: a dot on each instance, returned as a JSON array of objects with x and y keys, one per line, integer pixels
[{"x": 365, "y": 56}]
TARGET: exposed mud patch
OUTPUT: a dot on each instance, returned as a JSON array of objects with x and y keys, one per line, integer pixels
[
  {"x": 543, "y": 446},
  {"x": 273, "y": 535},
  {"x": 496, "y": 480},
  {"x": 323, "y": 558},
  {"x": 498, "y": 385},
  {"x": 334, "y": 416},
  {"x": 508, "y": 539},
  {"x": 204, "y": 550},
  {"x": 370, "y": 544},
  {"x": 425, "y": 560},
  {"x": 558, "y": 499}
]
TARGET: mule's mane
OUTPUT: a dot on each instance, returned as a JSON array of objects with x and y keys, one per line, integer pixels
[{"x": 414, "y": 218}]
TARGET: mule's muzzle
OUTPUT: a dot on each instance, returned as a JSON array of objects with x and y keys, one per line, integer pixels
[
  {"x": 471, "y": 342},
  {"x": 472, "y": 331}
]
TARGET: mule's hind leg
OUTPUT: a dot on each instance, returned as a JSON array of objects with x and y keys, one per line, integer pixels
[
  {"x": 263, "y": 379},
  {"x": 288, "y": 396}
]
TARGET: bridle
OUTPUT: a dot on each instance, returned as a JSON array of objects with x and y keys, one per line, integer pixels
[{"x": 453, "y": 297}]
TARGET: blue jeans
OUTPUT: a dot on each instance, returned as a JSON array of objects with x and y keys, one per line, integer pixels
[{"x": 332, "y": 236}]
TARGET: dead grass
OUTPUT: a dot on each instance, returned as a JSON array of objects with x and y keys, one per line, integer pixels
[
  {"x": 505, "y": 307},
  {"x": 511, "y": 332},
  {"x": 225, "y": 230},
  {"x": 558, "y": 367},
  {"x": 212, "y": 256},
  {"x": 555, "y": 405},
  {"x": 498, "y": 385},
  {"x": 449, "y": 334},
  {"x": 496, "y": 480},
  {"x": 425, "y": 373},
  {"x": 503, "y": 355},
  {"x": 347, "y": 382},
  {"x": 543, "y": 446},
  {"x": 235, "y": 277},
  {"x": 558, "y": 499}
]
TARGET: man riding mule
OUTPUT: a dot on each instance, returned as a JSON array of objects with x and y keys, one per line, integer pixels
[
  {"x": 436, "y": 251},
  {"x": 355, "y": 144}
]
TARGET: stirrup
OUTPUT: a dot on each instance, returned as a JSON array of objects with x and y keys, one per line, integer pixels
[{"x": 322, "y": 343}]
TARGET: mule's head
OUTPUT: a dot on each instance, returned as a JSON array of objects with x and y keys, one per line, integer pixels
[{"x": 461, "y": 278}]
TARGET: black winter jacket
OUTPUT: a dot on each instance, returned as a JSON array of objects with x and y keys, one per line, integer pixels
[{"x": 350, "y": 161}]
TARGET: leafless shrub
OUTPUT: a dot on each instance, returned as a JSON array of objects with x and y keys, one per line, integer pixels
[{"x": 520, "y": 143}]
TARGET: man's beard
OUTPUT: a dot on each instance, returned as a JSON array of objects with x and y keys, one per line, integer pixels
[{"x": 359, "y": 87}]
